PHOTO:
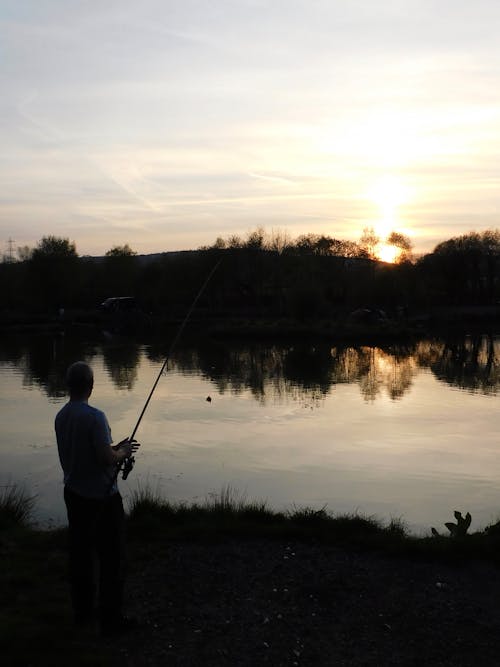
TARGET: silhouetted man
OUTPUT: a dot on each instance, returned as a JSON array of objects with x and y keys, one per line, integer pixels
[{"x": 94, "y": 505}]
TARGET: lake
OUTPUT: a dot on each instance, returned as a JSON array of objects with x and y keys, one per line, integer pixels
[{"x": 403, "y": 431}]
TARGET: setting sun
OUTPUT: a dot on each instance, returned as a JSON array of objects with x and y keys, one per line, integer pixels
[
  {"x": 388, "y": 253},
  {"x": 388, "y": 193}
]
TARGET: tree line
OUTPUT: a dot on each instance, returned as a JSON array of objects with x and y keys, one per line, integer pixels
[{"x": 313, "y": 276}]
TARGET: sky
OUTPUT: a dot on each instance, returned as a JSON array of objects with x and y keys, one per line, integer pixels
[{"x": 165, "y": 124}]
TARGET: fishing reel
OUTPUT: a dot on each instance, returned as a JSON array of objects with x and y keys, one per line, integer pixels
[{"x": 128, "y": 464}]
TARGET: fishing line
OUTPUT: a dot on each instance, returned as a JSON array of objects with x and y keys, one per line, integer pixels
[{"x": 128, "y": 464}]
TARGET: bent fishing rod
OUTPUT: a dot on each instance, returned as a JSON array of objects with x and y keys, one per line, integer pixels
[{"x": 128, "y": 463}]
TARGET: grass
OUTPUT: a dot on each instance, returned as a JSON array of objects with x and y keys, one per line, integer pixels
[
  {"x": 225, "y": 513},
  {"x": 16, "y": 506},
  {"x": 229, "y": 514}
]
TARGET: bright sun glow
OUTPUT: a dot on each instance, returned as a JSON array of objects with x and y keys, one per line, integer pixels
[
  {"x": 388, "y": 253},
  {"x": 388, "y": 193}
]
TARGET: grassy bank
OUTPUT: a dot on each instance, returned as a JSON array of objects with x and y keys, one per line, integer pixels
[
  {"x": 229, "y": 514},
  {"x": 33, "y": 585}
]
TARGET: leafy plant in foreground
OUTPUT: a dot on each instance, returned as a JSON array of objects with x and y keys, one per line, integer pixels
[{"x": 458, "y": 529}]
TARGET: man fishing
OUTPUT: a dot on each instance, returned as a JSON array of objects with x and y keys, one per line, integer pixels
[{"x": 93, "y": 502}]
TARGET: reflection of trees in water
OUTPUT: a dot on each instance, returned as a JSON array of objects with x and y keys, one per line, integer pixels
[
  {"x": 471, "y": 363},
  {"x": 278, "y": 373},
  {"x": 121, "y": 361},
  {"x": 300, "y": 372},
  {"x": 44, "y": 360},
  {"x": 376, "y": 370},
  {"x": 235, "y": 369}
]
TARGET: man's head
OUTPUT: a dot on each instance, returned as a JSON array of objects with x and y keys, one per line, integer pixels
[{"x": 80, "y": 380}]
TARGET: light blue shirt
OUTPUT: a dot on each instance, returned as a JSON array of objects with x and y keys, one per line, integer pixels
[{"x": 82, "y": 434}]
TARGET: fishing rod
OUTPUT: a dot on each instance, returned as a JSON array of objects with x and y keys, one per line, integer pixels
[{"x": 128, "y": 463}]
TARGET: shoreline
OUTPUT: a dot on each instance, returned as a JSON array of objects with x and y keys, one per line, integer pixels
[{"x": 435, "y": 322}]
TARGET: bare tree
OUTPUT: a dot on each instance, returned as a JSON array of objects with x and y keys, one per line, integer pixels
[
  {"x": 279, "y": 241},
  {"x": 369, "y": 242},
  {"x": 342, "y": 248}
]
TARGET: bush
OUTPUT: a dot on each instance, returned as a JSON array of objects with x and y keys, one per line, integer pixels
[{"x": 16, "y": 506}]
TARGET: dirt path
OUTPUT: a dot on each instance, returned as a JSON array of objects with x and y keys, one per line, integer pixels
[{"x": 274, "y": 603}]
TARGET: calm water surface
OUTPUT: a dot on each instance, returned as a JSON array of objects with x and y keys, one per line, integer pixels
[{"x": 405, "y": 431}]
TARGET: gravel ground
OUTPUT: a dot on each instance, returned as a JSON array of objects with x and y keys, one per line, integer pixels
[{"x": 274, "y": 603}]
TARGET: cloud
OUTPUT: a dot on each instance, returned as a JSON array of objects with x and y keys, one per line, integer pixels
[{"x": 187, "y": 118}]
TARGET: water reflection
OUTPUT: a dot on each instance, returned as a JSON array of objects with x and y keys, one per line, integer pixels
[
  {"x": 379, "y": 371},
  {"x": 121, "y": 362},
  {"x": 271, "y": 372},
  {"x": 313, "y": 370},
  {"x": 43, "y": 360},
  {"x": 471, "y": 363}
]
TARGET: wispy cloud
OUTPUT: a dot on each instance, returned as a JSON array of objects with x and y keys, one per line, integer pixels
[
  {"x": 272, "y": 178},
  {"x": 178, "y": 121}
]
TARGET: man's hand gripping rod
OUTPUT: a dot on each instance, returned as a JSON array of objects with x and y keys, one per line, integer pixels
[{"x": 128, "y": 463}]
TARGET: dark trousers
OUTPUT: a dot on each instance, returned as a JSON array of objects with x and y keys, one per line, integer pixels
[{"x": 96, "y": 554}]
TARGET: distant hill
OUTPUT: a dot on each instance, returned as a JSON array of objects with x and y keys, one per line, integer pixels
[{"x": 148, "y": 259}]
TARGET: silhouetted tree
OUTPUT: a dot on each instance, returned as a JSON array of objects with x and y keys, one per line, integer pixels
[
  {"x": 369, "y": 242},
  {"x": 315, "y": 244},
  {"x": 466, "y": 267},
  {"x": 54, "y": 247},
  {"x": 219, "y": 244},
  {"x": 55, "y": 278},
  {"x": 121, "y": 251},
  {"x": 24, "y": 253},
  {"x": 255, "y": 240},
  {"x": 403, "y": 243},
  {"x": 120, "y": 271},
  {"x": 349, "y": 249},
  {"x": 305, "y": 244},
  {"x": 234, "y": 241}
]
